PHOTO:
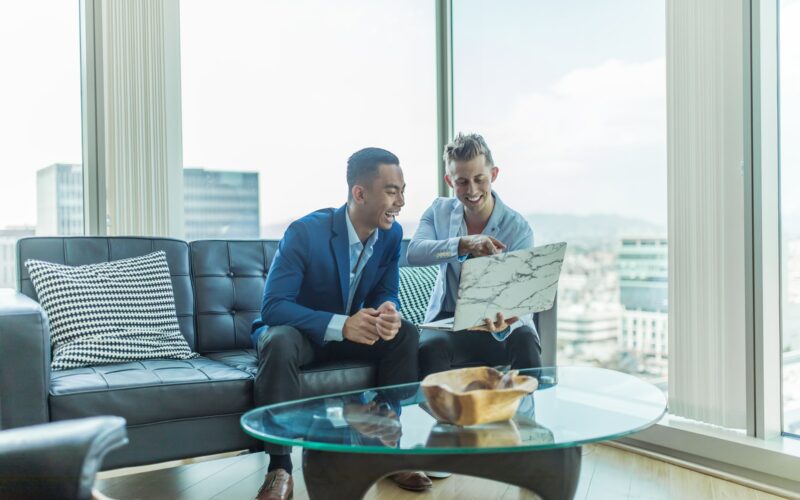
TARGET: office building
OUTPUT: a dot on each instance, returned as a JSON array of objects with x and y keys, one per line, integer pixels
[
  {"x": 642, "y": 266},
  {"x": 220, "y": 204},
  {"x": 8, "y": 254},
  {"x": 217, "y": 204},
  {"x": 59, "y": 200}
]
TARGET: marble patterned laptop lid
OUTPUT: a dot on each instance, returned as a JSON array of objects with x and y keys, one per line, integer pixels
[{"x": 513, "y": 283}]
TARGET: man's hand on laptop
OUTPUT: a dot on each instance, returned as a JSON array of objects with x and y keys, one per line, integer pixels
[
  {"x": 479, "y": 245},
  {"x": 499, "y": 325},
  {"x": 388, "y": 320},
  {"x": 361, "y": 327}
]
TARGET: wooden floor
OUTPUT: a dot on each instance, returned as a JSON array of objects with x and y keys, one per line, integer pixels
[{"x": 607, "y": 473}]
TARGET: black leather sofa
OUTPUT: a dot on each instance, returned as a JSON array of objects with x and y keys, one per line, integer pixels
[{"x": 174, "y": 409}]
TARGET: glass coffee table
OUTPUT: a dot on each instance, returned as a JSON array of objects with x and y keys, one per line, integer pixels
[{"x": 353, "y": 439}]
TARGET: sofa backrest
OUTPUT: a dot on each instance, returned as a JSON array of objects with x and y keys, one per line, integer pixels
[
  {"x": 80, "y": 250},
  {"x": 228, "y": 277},
  {"x": 229, "y": 281}
]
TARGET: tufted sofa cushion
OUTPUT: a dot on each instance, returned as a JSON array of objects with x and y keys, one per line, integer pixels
[
  {"x": 229, "y": 281},
  {"x": 316, "y": 378},
  {"x": 145, "y": 392}
]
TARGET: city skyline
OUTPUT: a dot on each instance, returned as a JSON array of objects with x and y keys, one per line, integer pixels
[{"x": 577, "y": 124}]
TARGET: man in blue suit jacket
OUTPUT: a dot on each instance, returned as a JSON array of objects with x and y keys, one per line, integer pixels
[{"x": 331, "y": 293}]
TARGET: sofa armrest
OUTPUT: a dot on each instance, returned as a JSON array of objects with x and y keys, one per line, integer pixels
[
  {"x": 59, "y": 459},
  {"x": 547, "y": 326},
  {"x": 24, "y": 361}
]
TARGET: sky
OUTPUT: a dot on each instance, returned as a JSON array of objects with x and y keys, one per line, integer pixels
[{"x": 570, "y": 96}]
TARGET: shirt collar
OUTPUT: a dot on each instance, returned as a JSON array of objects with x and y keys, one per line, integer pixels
[
  {"x": 498, "y": 211},
  {"x": 352, "y": 235}
]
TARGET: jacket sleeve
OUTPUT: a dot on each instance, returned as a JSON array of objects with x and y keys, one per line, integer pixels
[
  {"x": 523, "y": 239},
  {"x": 386, "y": 288},
  {"x": 425, "y": 249},
  {"x": 283, "y": 284}
]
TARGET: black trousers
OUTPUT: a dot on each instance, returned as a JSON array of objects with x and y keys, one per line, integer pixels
[
  {"x": 282, "y": 350},
  {"x": 439, "y": 351}
]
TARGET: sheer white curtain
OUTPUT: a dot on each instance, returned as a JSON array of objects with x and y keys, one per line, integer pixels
[
  {"x": 706, "y": 211},
  {"x": 141, "y": 84}
]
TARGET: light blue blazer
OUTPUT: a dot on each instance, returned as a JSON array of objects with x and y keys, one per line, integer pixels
[{"x": 436, "y": 243}]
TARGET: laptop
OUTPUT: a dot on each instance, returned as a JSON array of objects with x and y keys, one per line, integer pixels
[{"x": 513, "y": 283}]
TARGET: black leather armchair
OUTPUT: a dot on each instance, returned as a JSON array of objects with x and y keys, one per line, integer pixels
[{"x": 57, "y": 460}]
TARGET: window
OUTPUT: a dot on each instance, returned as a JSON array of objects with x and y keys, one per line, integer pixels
[
  {"x": 284, "y": 91},
  {"x": 40, "y": 95},
  {"x": 789, "y": 41},
  {"x": 571, "y": 97}
]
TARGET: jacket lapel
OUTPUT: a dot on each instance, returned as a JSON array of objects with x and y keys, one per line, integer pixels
[
  {"x": 494, "y": 220},
  {"x": 456, "y": 218},
  {"x": 340, "y": 244}
]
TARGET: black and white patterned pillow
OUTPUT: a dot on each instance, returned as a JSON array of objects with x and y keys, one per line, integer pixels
[
  {"x": 111, "y": 312},
  {"x": 416, "y": 286}
]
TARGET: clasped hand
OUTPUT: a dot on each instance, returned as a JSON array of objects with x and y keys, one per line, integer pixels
[
  {"x": 374, "y": 421},
  {"x": 369, "y": 324}
]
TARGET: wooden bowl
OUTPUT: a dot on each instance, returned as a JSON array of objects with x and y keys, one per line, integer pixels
[{"x": 472, "y": 396}]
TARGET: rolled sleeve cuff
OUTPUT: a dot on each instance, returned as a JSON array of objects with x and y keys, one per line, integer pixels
[
  {"x": 502, "y": 335},
  {"x": 335, "y": 330}
]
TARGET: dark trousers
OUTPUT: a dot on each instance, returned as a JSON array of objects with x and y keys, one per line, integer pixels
[
  {"x": 440, "y": 351},
  {"x": 282, "y": 350}
]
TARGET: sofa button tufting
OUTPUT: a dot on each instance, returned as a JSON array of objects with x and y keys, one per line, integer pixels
[{"x": 230, "y": 274}]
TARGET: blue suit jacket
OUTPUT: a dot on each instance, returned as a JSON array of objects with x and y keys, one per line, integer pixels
[{"x": 309, "y": 279}]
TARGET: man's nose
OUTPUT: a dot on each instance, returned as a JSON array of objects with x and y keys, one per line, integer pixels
[{"x": 400, "y": 200}]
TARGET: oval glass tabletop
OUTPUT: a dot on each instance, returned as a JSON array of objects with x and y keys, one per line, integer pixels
[{"x": 571, "y": 407}]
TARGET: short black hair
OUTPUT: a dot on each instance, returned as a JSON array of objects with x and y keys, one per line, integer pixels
[{"x": 362, "y": 166}]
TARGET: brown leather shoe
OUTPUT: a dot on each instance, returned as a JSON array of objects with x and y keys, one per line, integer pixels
[
  {"x": 278, "y": 485},
  {"x": 412, "y": 481}
]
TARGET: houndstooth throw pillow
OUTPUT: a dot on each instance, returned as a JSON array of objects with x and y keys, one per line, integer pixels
[
  {"x": 111, "y": 312},
  {"x": 416, "y": 285}
]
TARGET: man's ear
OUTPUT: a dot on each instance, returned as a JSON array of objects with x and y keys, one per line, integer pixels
[
  {"x": 495, "y": 171},
  {"x": 358, "y": 193},
  {"x": 449, "y": 181}
]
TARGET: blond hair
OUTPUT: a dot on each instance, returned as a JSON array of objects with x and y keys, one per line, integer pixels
[{"x": 465, "y": 147}]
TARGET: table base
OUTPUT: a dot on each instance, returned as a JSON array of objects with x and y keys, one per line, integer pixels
[{"x": 551, "y": 474}]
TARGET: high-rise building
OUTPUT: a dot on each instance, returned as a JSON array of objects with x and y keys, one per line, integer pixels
[
  {"x": 588, "y": 332},
  {"x": 8, "y": 254},
  {"x": 59, "y": 200},
  {"x": 217, "y": 204},
  {"x": 220, "y": 204},
  {"x": 642, "y": 265}
]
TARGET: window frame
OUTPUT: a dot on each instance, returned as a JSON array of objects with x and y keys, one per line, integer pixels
[
  {"x": 763, "y": 454},
  {"x": 92, "y": 122}
]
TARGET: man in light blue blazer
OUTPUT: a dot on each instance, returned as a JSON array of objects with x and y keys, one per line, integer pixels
[
  {"x": 473, "y": 224},
  {"x": 331, "y": 293}
]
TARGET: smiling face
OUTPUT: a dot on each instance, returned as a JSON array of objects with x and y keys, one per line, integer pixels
[
  {"x": 471, "y": 181},
  {"x": 377, "y": 204}
]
